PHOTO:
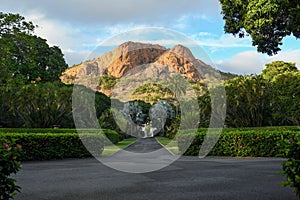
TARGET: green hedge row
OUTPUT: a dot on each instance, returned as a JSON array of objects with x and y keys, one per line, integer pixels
[
  {"x": 112, "y": 135},
  {"x": 37, "y": 130},
  {"x": 40, "y": 146},
  {"x": 252, "y": 142}
]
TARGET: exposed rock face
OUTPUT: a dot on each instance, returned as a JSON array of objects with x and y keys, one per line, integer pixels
[
  {"x": 182, "y": 61},
  {"x": 129, "y": 55},
  {"x": 117, "y": 62}
]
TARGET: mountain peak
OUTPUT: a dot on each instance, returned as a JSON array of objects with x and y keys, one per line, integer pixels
[
  {"x": 132, "y": 46},
  {"x": 183, "y": 52},
  {"x": 130, "y": 55}
]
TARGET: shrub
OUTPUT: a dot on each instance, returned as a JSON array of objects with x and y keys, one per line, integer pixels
[
  {"x": 37, "y": 130},
  {"x": 172, "y": 130},
  {"x": 112, "y": 135},
  {"x": 290, "y": 148},
  {"x": 9, "y": 164},
  {"x": 44, "y": 105},
  {"x": 255, "y": 143},
  {"x": 46, "y": 146}
]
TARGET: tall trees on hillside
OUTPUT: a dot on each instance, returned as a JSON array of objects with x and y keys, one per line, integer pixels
[
  {"x": 266, "y": 21},
  {"x": 178, "y": 85}
]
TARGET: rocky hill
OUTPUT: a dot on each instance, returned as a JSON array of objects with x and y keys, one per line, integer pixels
[{"x": 128, "y": 56}]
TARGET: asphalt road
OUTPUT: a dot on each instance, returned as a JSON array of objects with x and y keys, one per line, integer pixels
[{"x": 187, "y": 178}]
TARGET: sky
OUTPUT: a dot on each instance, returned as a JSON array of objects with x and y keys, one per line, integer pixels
[{"x": 78, "y": 27}]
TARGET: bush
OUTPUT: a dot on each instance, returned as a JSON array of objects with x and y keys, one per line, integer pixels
[
  {"x": 254, "y": 143},
  {"x": 9, "y": 164},
  {"x": 46, "y": 146},
  {"x": 290, "y": 148},
  {"x": 172, "y": 130},
  {"x": 44, "y": 105},
  {"x": 112, "y": 135},
  {"x": 36, "y": 130}
]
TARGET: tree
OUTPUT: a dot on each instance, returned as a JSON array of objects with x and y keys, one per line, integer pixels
[
  {"x": 107, "y": 82},
  {"x": 285, "y": 99},
  {"x": 14, "y": 23},
  {"x": 39, "y": 105},
  {"x": 178, "y": 85},
  {"x": 27, "y": 55},
  {"x": 248, "y": 101},
  {"x": 266, "y": 21},
  {"x": 276, "y": 68}
]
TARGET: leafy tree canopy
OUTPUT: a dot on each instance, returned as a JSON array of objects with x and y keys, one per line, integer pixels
[
  {"x": 14, "y": 23},
  {"x": 25, "y": 55},
  {"x": 266, "y": 21},
  {"x": 276, "y": 68}
]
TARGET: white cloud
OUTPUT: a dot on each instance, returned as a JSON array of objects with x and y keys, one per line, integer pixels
[
  {"x": 202, "y": 34},
  {"x": 71, "y": 40},
  {"x": 75, "y": 57},
  {"x": 287, "y": 56},
  {"x": 223, "y": 41},
  {"x": 57, "y": 32},
  {"x": 114, "y": 11},
  {"x": 81, "y": 25},
  {"x": 250, "y": 62}
]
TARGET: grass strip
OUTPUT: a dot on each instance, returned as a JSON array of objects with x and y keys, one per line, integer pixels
[
  {"x": 170, "y": 145},
  {"x": 109, "y": 150}
]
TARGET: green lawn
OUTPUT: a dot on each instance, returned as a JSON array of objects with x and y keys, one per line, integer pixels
[
  {"x": 109, "y": 150},
  {"x": 170, "y": 145}
]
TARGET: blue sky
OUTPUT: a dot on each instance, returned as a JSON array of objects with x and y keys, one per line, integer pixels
[{"x": 77, "y": 27}]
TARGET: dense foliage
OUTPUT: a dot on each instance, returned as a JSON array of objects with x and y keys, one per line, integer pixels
[
  {"x": 152, "y": 92},
  {"x": 290, "y": 148},
  {"x": 41, "y": 105},
  {"x": 260, "y": 142},
  {"x": 269, "y": 99},
  {"x": 266, "y": 21},
  {"x": 55, "y": 145},
  {"x": 112, "y": 135},
  {"x": 10, "y": 164},
  {"x": 31, "y": 94},
  {"x": 24, "y": 55},
  {"x": 107, "y": 82}
]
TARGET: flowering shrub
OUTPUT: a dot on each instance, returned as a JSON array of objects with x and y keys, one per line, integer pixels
[
  {"x": 291, "y": 168},
  {"x": 9, "y": 163},
  {"x": 234, "y": 142}
]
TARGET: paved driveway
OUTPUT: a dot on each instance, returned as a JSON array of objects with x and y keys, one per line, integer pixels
[{"x": 187, "y": 178}]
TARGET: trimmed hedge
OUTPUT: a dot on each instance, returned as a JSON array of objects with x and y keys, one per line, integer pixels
[
  {"x": 234, "y": 142},
  {"x": 37, "y": 130},
  {"x": 41, "y": 146},
  {"x": 110, "y": 134}
]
